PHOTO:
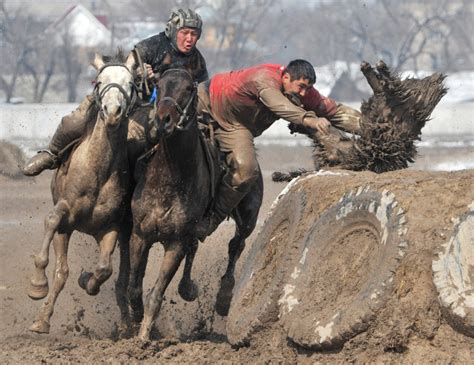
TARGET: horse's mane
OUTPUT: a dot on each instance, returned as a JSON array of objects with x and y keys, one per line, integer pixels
[
  {"x": 168, "y": 66},
  {"x": 119, "y": 57}
]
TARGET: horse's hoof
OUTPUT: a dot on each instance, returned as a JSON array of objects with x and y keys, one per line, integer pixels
[
  {"x": 224, "y": 296},
  {"x": 125, "y": 331},
  {"x": 84, "y": 280},
  {"x": 144, "y": 337},
  {"x": 40, "y": 327},
  {"x": 136, "y": 315},
  {"x": 37, "y": 292},
  {"x": 188, "y": 290},
  {"x": 122, "y": 331}
]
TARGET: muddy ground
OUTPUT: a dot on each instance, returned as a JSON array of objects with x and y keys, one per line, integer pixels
[{"x": 83, "y": 328}]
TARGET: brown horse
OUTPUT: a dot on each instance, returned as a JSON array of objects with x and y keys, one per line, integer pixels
[
  {"x": 171, "y": 196},
  {"x": 90, "y": 193}
]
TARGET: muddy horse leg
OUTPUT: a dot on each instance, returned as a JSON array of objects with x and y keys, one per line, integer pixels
[
  {"x": 123, "y": 276},
  {"x": 39, "y": 282},
  {"x": 61, "y": 272},
  {"x": 245, "y": 218},
  {"x": 187, "y": 289},
  {"x": 174, "y": 254},
  {"x": 91, "y": 282},
  {"x": 139, "y": 251},
  {"x": 224, "y": 296}
]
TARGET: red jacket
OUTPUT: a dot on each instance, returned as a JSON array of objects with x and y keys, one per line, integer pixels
[{"x": 253, "y": 98}]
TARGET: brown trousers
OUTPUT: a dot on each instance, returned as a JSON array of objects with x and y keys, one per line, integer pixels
[
  {"x": 73, "y": 125},
  {"x": 238, "y": 144}
]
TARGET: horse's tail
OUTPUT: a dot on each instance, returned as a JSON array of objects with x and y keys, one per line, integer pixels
[{"x": 278, "y": 176}]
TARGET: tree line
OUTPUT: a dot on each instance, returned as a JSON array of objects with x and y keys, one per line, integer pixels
[{"x": 431, "y": 35}]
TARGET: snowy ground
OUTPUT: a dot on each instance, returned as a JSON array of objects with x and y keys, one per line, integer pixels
[{"x": 452, "y": 128}]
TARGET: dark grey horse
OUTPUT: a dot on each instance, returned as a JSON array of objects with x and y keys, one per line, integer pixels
[{"x": 171, "y": 196}]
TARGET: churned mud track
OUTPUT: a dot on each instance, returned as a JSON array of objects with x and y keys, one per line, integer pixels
[{"x": 409, "y": 324}]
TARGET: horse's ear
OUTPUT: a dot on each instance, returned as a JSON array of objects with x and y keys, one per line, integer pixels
[
  {"x": 98, "y": 61},
  {"x": 130, "y": 62}
]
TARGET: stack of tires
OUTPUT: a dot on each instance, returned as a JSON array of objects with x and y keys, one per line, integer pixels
[{"x": 346, "y": 252}]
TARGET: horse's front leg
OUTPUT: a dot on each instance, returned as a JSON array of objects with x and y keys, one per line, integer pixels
[
  {"x": 187, "y": 289},
  {"x": 91, "y": 282},
  {"x": 39, "y": 282},
  {"x": 174, "y": 254},
  {"x": 124, "y": 272},
  {"x": 139, "y": 250},
  {"x": 224, "y": 296},
  {"x": 61, "y": 272}
]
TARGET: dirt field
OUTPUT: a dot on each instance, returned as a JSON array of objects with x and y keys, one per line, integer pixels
[{"x": 83, "y": 328}]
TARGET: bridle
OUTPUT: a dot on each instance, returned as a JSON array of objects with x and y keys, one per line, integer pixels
[
  {"x": 130, "y": 99},
  {"x": 183, "y": 112}
]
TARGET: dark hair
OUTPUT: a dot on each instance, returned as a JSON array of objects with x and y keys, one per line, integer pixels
[{"x": 301, "y": 69}]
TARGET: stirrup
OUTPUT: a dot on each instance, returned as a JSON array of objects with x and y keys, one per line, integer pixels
[{"x": 54, "y": 158}]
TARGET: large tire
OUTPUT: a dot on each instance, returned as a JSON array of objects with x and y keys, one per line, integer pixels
[
  {"x": 453, "y": 276},
  {"x": 254, "y": 304},
  {"x": 345, "y": 272}
]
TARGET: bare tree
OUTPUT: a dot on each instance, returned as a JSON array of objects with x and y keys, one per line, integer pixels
[
  {"x": 74, "y": 60},
  {"x": 40, "y": 64},
  {"x": 16, "y": 44},
  {"x": 406, "y": 34},
  {"x": 237, "y": 27},
  {"x": 159, "y": 10},
  {"x": 26, "y": 51},
  {"x": 456, "y": 47}
]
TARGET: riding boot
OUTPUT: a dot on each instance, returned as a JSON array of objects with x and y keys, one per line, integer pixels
[
  {"x": 226, "y": 200},
  {"x": 44, "y": 159},
  {"x": 72, "y": 127}
]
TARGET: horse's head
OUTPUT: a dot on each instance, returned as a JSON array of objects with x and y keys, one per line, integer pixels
[
  {"x": 114, "y": 88},
  {"x": 176, "y": 101}
]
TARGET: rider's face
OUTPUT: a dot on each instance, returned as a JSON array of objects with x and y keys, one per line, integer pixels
[
  {"x": 186, "y": 39},
  {"x": 295, "y": 87}
]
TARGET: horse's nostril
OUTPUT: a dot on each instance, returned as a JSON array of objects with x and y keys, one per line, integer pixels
[
  {"x": 119, "y": 110},
  {"x": 104, "y": 109}
]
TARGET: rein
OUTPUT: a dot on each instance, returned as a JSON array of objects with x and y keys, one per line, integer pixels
[
  {"x": 184, "y": 112},
  {"x": 184, "y": 116},
  {"x": 143, "y": 82}
]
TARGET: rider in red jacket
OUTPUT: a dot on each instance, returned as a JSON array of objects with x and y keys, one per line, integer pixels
[
  {"x": 246, "y": 102},
  {"x": 253, "y": 98}
]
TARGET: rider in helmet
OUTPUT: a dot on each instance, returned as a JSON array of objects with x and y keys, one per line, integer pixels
[{"x": 177, "y": 44}]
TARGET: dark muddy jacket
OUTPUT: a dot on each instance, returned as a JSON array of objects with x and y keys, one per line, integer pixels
[{"x": 158, "y": 48}]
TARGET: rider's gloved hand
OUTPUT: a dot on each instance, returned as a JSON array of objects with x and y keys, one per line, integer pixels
[
  {"x": 148, "y": 71},
  {"x": 319, "y": 124}
]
